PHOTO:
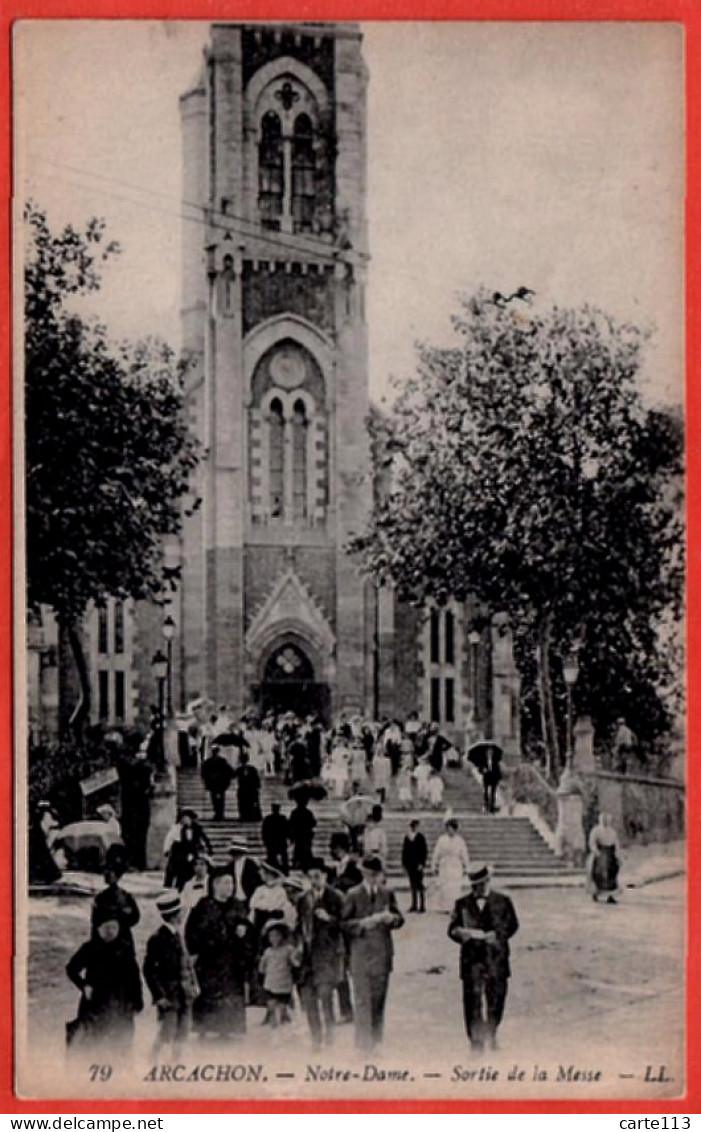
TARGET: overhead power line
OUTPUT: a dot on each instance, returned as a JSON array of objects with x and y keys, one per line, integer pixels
[{"x": 207, "y": 216}]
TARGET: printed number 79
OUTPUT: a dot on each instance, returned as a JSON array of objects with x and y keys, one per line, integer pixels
[{"x": 100, "y": 1072}]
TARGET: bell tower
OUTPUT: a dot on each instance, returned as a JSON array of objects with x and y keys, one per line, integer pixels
[{"x": 274, "y": 268}]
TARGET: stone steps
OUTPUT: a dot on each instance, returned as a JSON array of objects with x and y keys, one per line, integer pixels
[{"x": 510, "y": 844}]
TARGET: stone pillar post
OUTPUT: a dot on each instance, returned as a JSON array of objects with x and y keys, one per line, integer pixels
[
  {"x": 164, "y": 801},
  {"x": 569, "y": 834},
  {"x": 584, "y": 745}
]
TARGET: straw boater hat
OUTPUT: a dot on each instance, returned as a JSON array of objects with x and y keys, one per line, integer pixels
[
  {"x": 265, "y": 867},
  {"x": 478, "y": 873},
  {"x": 294, "y": 882},
  {"x": 239, "y": 844},
  {"x": 275, "y": 923},
  {"x": 168, "y": 903}
]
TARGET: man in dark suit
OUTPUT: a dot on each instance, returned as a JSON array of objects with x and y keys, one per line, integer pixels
[
  {"x": 319, "y": 911},
  {"x": 217, "y": 775},
  {"x": 346, "y": 875},
  {"x": 414, "y": 856},
  {"x": 483, "y": 923},
  {"x": 491, "y": 776},
  {"x": 170, "y": 976},
  {"x": 245, "y": 872},
  {"x": 370, "y": 915},
  {"x": 274, "y": 832}
]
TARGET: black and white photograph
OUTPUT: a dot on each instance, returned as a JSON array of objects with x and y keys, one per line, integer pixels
[{"x": 349, "y": 553}]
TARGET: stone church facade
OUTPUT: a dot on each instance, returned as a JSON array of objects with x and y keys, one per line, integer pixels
[{"x": 271, "y": 610}]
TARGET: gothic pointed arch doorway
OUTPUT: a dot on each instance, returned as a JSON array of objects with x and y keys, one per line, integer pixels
[{"x": 289, "y": 683}]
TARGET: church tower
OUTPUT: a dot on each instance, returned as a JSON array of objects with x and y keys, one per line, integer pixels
[{"x": 272, "y": 609}]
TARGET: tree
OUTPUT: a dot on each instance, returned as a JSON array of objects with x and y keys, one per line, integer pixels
[
  {"x": 108, "y": 454},
  {"x": 528, "y": 473}
]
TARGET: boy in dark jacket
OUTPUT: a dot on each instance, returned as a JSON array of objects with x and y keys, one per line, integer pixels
[
  {"x": 170, "y": 976},
  {"x": 414, "y": 856}
]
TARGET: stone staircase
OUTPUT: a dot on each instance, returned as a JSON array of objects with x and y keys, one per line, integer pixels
[{"x": 511, "y": 845}]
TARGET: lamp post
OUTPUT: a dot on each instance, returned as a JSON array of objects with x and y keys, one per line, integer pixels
[
  {"x": 569, "y": 834},
  {"x": 376, "y": 652},
  {"x": 474, "y": 639},
  {"x": 570, "y": 671},
  {"x": 169, "y": 633},
  {"x": 159, "y": 667}
]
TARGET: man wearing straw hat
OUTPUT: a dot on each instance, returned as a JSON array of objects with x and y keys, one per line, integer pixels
[
  {"x": 170, "y": 975},
  {"x": 245, "y": 872},
  {"x": 483, "y": 923}
]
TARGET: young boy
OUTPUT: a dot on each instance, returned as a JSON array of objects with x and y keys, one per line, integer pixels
[
  {"x": 170, "y": 976},
  {"x": 275, "y": 966}
]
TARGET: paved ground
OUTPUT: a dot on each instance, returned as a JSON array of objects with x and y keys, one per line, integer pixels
[{"x": 595, "y": 989}]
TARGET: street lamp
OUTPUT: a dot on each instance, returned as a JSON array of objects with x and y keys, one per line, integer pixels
[
  {"x": 159, "y": 667},
  {"x": 375, "y": 649},
  {"x": 570, "y": 671},
  {"x": 169, "y": 633}
]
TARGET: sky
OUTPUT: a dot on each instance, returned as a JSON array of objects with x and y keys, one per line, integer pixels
[{"x": 546, "y": 155}]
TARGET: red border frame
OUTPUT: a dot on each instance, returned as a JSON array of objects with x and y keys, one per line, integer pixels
[{"x": 686, "y": 12}]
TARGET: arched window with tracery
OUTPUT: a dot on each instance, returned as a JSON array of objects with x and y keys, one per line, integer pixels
[
  {"x": 288, "y": 127},
  {"x": 287, "y": 431},
  {"x": 303, "y": 173},
  {"x": 271, "y": 173}
]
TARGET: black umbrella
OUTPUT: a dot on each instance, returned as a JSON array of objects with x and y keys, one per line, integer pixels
[
  {"x": 479, "y": 753},
  {"x": 229, "y": 739},
  {"x": 309, "y": 788}
]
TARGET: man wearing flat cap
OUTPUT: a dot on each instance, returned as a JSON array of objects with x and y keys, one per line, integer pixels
[
  {"x": 370, "y": 915},
  {"x": 323, "y": 951},
  {"x": 170, "y": 975},
  {"x": 483, "y": 923}
]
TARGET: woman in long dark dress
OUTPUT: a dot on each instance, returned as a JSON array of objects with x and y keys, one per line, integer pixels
[
  {"x": 106, "y": 972},
  {"x": 113, "y": 901},
  {"x": 603, "y": 863},
  {"x": 221, "y": 943}
]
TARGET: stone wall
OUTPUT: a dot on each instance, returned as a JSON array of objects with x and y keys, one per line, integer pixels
[{"x": 643, "y": 810}]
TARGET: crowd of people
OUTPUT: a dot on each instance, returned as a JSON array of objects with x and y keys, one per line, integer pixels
[
  {"x": 388, "y": 760},
  {"x": 292, "y": 932},
  {"x": 246, "y": 935},
  {"x": 240, "y": 935}
]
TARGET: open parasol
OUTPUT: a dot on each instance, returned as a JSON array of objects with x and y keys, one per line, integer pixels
[
  {"x": 87, "y": 841},
  {"x": 357, "y": 809}
]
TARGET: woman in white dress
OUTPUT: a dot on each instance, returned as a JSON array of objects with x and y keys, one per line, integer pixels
[
  {"x": 450, "y": 861},
  {"x": 266, "y": 742},
  {"x": 339, "y": 773},
  {"x": 381, "y": 773}
]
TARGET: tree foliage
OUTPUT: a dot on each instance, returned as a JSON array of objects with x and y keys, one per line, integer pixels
[
  {"x": 108, "y": 453},
  {"x": 527, "y": 471}
]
